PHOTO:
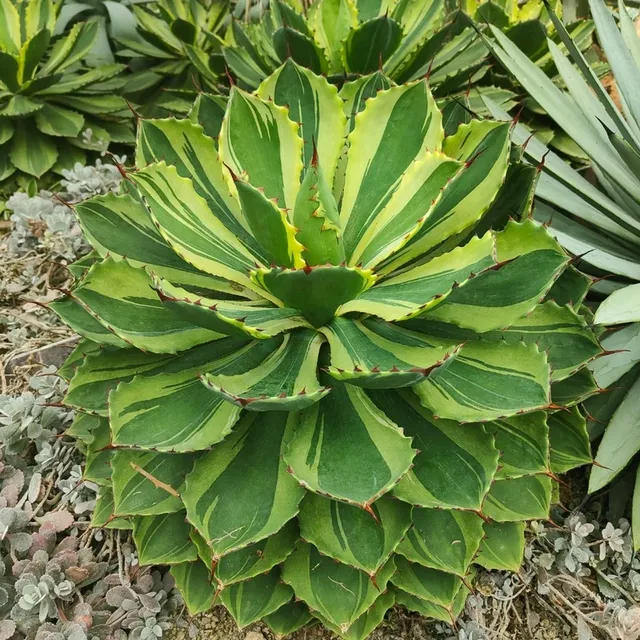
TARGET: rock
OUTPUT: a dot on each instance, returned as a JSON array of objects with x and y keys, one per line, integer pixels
[{"x": 253, "y": 635}]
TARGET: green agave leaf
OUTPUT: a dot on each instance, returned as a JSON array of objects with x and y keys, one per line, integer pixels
[
  {"x": 243, "y": 66},
  {"x": 6, "y": 130},
  {"x": 502, "y": 546},
  {"x": 347, "y": 449},
  {"x": 570, "y": 288},
  {"x": 427, "y": 584},
  {"x": 285, "y": 381},
  {"x": 171, "y": 546},
  {"x": 192, "y": 152},
  {"x": 516, "y": 499},
  {"x": 10, "y": 26},
  {"x": 240, "y": 492},
  {"x": 620, "y": 307},
  {"x": 20, "y": 106},
  {"x": 257, "y": 558},
  {"x": 444, "y": 448},
  {"x": 487, "y": 382},
  {"x": 82, "y": 349},
  {"x": 368, "y": 621},
  {"x": 430, "y": 609},
  {"x": 330, "y": 22},
  {"x": 375, "y": 354},
  {"x": 189, "y": 226},
  {"x": 102, "y": 515},
  {"x": 120, "y": 297},
  {"x": 72, "y": 48},
  {"x": 208, "y": 112},
  {"x": 97, "y": 468},
  {"x": 83, "y": 426},
  {"x": 193, "y": 579},
  {"x": 569, "y": 439},
  {"x": 312, "y": 101},
  {"x": 355, "y": 93},
  {"x": 259, "y": 141},
  {"x": 377, "y": 157},
  {"x": 58, "y": 121},
  {"x": 81, "y": 321},
  {"x": 562, "y": 333},
  {"x": 621, "y": 441},
  {"x": 270, "y": 224},
  {"x": 316, "y": 218},
  {"x": 147, "y": 483},
  {"x": 339, "y": 593},
  {"x": 288, "y": 619},
  {"x": 350, "y": 534},
  {"x": 371, "y": 44},
  {"x": 416, "y": 290},
  {"x": 407, "y": 210},
  {"x": 443, "y": 539},
  {"x": 103, "y": 371},
  {"x": 483, "y": 147},
  {"x": 289, "y": 43},
  {"x": 251, "y": 318},
  {"x": 524, "y": 443},
  {"x": 317, "y": 292},
  {"x": 623, "y": 346},
  {"x": 172, "y": 410},
  {"x": 574, "y": 389},
  {"x": 528, "y": 260},
  {"x": 251, "y": 600}
]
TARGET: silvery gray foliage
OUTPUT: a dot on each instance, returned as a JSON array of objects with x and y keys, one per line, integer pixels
[
  {"x": 43, "y": 222},
  {"x": 27, "y": 418}
]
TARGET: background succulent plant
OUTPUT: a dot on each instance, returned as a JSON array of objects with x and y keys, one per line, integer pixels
[
  {"x": 177, "y": 52},
  {"x": 600, "y": 221},
  {"x": 284, "y": 334},
  {"x": 52, "y": 110}
]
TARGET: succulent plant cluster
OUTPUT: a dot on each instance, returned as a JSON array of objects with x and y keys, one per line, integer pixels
[
  {"x": 312, "y": 380},
  {"x": 52, "y": 109}
]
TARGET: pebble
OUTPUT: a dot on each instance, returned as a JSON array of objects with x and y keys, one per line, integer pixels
[{"x": 253, "y": 635}]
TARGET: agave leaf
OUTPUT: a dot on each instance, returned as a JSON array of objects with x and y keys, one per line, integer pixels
[
  {"x": 288, "y": 619},
  {"x": 524, "y": 443},
  {"x": 190, "y": 227},
  {"x": 82, "y": 322},
  {"x": 9, "y": 26},
  {"x": 620, "y": 442},
  {"x": 259, "y": 141},
  {"x": 425, "y": 583},
  {"x": 429, "y": 541},
  {"x": 147, "y": 483},
  {"x": 444, "y": 446},
  {"x": 31, "y": 151},
  {"x": 313, "y": 101},
  {"x": 256, "y": 598},
  {"x": 377, "y": 159},
  {"x": 502, "y": 546},
  {"x": 313, "y": 577},
  {"x": 181, "y": 144},
  {"x": 234, "y": 317},
  {"x": 517, "y": 499},
  {"x": 330, "y": 22},
  {"x": 620, "y": 307},
  {"x": 351, "y": 535},
  {"x": 485, "y": 382},
  {"x": 285, "y": 381},
  {"x": 226, "y": 484},
  {"x": 375, "y": 354},
  {"x": 257, "y": 558},
  {"x": 143, "y": 411},
  {"x": 194, "y": 581},
  {"x": 569, "y": 440},
  {"x": 574, "y": 389},
  {"x": 173, "y": 546},
  {"x": 371, "y": 44},
  {"x": 431, "y": 609},
  {"x": 122, "y": 299},
  {"x": 624, "y": 352}
]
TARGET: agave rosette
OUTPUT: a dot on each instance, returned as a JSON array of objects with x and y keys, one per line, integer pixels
[{"x": 309, "y": 380}]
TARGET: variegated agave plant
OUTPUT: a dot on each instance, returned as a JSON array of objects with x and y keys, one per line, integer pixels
[{"x": 306, "y": 382}]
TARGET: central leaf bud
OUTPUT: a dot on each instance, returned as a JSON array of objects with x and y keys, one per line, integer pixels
[{"x": 317, "y": 292}]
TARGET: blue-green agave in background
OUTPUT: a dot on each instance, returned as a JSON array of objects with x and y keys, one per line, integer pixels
[{"x": 312, "y": 381}]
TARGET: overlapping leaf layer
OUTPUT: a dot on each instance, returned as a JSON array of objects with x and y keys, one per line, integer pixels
[{"x": 310, "y": 380}]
